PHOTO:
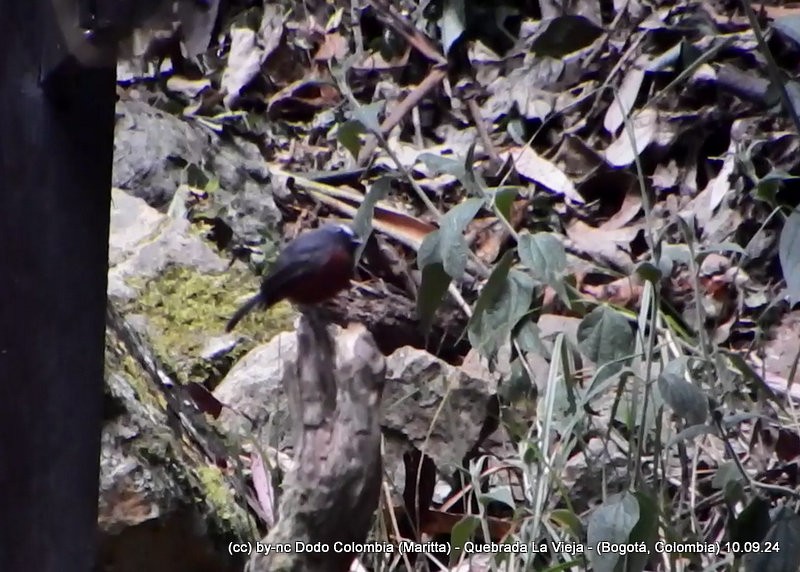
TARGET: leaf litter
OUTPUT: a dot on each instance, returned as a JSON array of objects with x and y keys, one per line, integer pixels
[{"x": 552, "y": 104}]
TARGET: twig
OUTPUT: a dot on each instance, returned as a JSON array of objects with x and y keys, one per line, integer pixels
[
  {"x": 417, "y": 39},
  {"x": 433, "y": 79},
  {"x": 477, "y": 118}
]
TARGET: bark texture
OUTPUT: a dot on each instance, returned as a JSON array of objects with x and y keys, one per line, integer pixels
[{"x": 332, "y": 492}]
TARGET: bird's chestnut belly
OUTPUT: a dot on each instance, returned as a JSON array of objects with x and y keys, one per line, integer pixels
[{"x": 321, "y": 286}]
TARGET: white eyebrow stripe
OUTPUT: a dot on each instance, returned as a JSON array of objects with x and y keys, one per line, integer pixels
[{"x": 347, "y": 230}]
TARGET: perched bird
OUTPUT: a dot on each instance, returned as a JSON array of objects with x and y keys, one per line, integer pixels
[{"x": 312, "y": 268}]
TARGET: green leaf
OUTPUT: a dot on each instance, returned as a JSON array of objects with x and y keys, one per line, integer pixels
[
  {"x": 349, "y": 135},
  {"x": 195, "y": 176},
  {"x": 528, "y": 336},
  {"x": 646, "y": 530},
  {"x": 519, "y": 287},
  {"x": 567, "y": 519},
  {"x": 605, "y": 336},
  {"x": 650, "y": 272},
  {"x": 612, "y": 522},
  {"x": 501, "y": 494},
  {"x": 768, "y": 186},
  {"x": 435, "y": 282},
  {"x": 443, "y": 165},
  {"x": 494, "y": 286},
  {"x": 362, "y": 222},
  {"x": 212, "y": 186},
  {"x": 453, "y": 246},
  {"x": 546, "y": 260},
  {"x": 543, "y": 254},
  {"x": 690, "y": 434},
  {"x": 504, "y": 200},
  {"x": 780, "y": 549},
  {"x": 454, "y": 166},
  {"x": 733, "y": 491},
  {"x": 752, "y": 523},
  {"x": 517, "y": 386},
  {"x": 453, "y": 18},
  {"x": 726, "y": 474},
  {"x": 461, "y": 533},
  {"x": 504, "y": 300},
  {"x": 685, "y": 399},
  {"x": 368, "y": 115},
  {"x": 429, "y": 250},
  {"x": 789, "y": 255}
]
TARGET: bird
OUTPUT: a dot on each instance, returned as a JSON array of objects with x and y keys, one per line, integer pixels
[{"x": 310, "y": 269}]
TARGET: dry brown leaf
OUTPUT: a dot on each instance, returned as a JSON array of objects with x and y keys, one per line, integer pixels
[
  {"x": 303, "y": 96},
  {"x": 622, "y": 152},
  {"x": 631, "y": 205},
  {"x": 244, "y": 62},
  {"x": 376, "y": 62},
  {"x": 532, "y": 166},
  {"x": 781, "y": 352},
  {"x": 579, "y": 159},
  {"x": 607, "y": 244},
  {"x": 666, "y": 176},
  {"x": 628, "y": 92},
  {"x": 248, "y": 52},
  {"x": 401, "y": 226},
  {"x": 333, "y": 47},
  {"x": 624, "y": 292},
  {"x": 721, "y": 184},
  {"x": 191, "y": 88}
]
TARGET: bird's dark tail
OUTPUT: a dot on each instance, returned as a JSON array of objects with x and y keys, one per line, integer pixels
[{"x": 246, "y": 308}]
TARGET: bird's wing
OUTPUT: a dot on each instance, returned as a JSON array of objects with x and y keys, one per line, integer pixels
[{"x": 291, "y": 265}]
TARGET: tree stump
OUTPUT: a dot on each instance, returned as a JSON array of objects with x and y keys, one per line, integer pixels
[{"x": 332, "y": 491}]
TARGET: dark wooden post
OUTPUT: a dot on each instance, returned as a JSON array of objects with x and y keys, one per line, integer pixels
[{"x": 56, "y": 149}]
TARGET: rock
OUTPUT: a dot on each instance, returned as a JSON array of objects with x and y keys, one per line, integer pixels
[
  {"x": 153, "y": 148},
  {"x": 177, "y": 288},
  {"x": 253, "y": 388},
  {"x": 158, "y": 489},
  {"x": 422, "y": 390},
  {"x": 132, "y": 222},
  {"x": 144, "y": 242},
  {"x": 417, "y": 385}
]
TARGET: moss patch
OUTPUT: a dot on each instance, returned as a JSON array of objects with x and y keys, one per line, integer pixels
[
  {"x": 186, "y": 308},
  {"x": 221, "y": 501},
  {"x": 118, "y": 360}
]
